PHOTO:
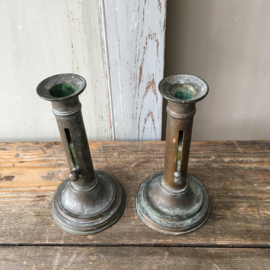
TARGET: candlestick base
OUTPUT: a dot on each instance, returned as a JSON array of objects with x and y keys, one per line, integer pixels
[
  {"x": 170, "y": 211},
  {"x": 88, "y": 211}
]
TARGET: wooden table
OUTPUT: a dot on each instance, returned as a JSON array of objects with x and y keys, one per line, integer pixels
[{"x": 236, "y": 236}]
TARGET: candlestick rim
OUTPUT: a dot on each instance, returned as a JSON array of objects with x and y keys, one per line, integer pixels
[
  {"x": 201, "y": 87},
  {"x": 73, "y": 80}
]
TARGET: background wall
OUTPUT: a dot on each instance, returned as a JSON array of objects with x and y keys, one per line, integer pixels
[
  {"x": 39, "y": 39},
  {"x": 227, "y": 43},
  {"x": 134, "y": 34},
  {"x": 117, "y": 47}
]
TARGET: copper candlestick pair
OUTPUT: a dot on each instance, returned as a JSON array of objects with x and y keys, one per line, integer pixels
[{"x": 91, "y": 201}]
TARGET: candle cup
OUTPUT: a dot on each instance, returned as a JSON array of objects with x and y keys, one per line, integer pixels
[
  {"x": 172, "y": 201},
  {"x": 88, "y": 201}
]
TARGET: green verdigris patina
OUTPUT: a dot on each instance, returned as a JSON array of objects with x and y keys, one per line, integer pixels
[
  {"x": 88, "y": 201},
  {"x": 62, "y": 90},
  {"x": 182, "y": 91},
  {"x": 73, "y": 162},
  {"x": 182, "y": 95},
  {"x": 179, "y": 150},
  {"x": 72, "y": 151}
]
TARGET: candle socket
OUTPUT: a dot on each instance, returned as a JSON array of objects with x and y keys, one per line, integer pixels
[
  {"x": 88, "y": 201},
  {"x": 172, "y": 201}
]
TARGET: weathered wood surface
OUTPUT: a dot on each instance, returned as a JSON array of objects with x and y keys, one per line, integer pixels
[
  {"x": 134, "y": 35},
  {"x": 236, "y": 175},
  {"x": 40, "y": 39},
  {"x": 133, "y": 258},
  {"x": 117, "y": 46}
]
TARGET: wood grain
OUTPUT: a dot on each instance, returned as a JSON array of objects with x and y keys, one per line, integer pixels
[
  {"x": 134, "y": 59},
  {"x": 236, "y": 175},
  {"x": 117, "y": 47},
  {"x": 133, "y": 258},
  {"x": 43, "y": 38}
]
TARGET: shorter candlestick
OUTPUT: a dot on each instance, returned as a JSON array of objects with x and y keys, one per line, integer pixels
[{"x": 173, "y": 201}]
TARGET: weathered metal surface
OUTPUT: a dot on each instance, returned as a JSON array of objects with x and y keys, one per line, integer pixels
[
  {"x": 173, "y": 201},
  {"x": 87, "y": 202}
]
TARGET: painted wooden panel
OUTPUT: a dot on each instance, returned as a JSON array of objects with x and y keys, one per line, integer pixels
[
  {"x": 41, "y": 38},
  {"x": 134, "y": 38},
  {"x": 117, "y": 47}
]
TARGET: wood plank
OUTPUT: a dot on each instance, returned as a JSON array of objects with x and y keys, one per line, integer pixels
[
  {"x": 134, "y": 58},
  {"x": 236, "y": 175},
  {"x": 132, "y": 258},
  {"x": 40, "y": 39}
]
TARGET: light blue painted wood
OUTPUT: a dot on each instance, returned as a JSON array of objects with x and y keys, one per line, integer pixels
[
  {"x": 135, "y": 34},
  {"x": 118, "y": 46}
]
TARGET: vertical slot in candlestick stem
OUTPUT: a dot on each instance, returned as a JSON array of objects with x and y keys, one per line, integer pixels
[
  {"x": 88, "y": 201},
  {"x": 179, "y": 150},
  {"x": 71, "y": 149}
]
